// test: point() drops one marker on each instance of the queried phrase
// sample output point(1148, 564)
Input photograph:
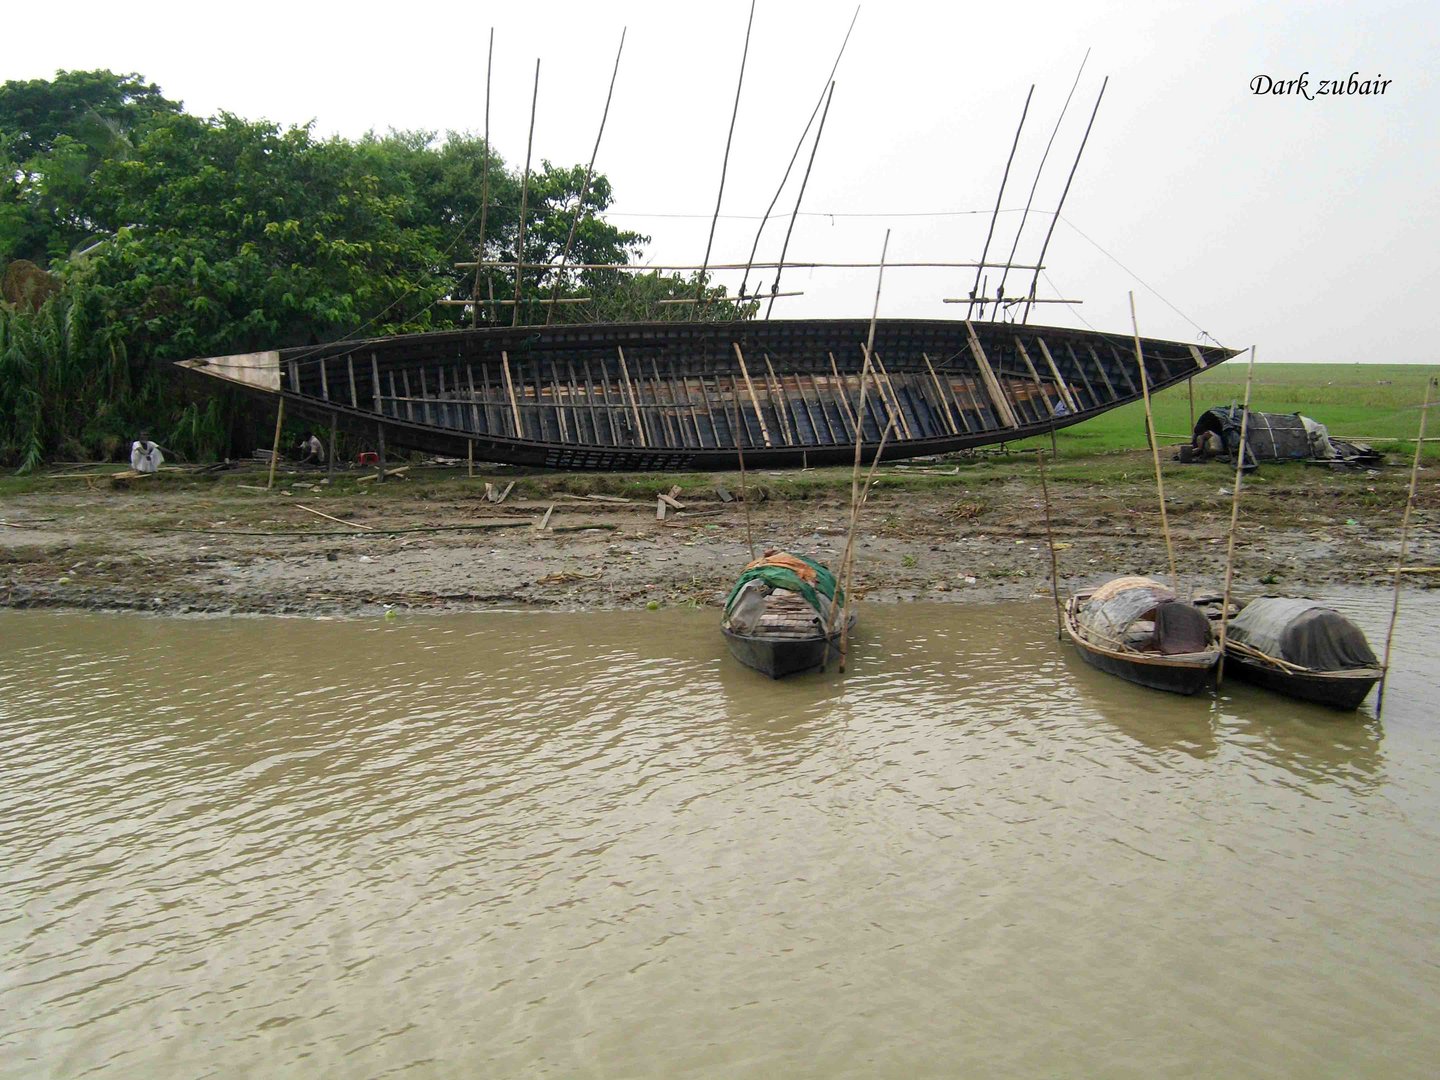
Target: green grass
point(1376, 403)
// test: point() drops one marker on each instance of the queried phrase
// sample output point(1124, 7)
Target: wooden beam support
point(634, 403)
point(1065, 394)
point(992, 385)
point(510, 392)
point(935, 378)
point(750, 388)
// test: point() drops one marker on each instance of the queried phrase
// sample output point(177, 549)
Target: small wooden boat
point(1302, 649)
point(1138, 629)
point(780, 618)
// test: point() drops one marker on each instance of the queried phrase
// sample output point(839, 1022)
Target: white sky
point(1307, 228)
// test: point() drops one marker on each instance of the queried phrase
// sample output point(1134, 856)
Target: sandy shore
point(188, 543)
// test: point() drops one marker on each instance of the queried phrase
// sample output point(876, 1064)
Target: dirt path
point(212, 544)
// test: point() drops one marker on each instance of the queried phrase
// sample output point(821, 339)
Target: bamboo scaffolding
point(647, 268)
point(995, 214)
point(805, 180)
point(725, 162)
point(484, 196)
point(525, 195)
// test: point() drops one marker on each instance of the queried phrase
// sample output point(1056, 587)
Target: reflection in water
point(595, 845)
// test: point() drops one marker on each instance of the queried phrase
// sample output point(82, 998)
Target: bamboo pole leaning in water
point(1154, 448)
point(744, 493)
point(1404, 542)
point(837, 609)
point(1234, 517)
point(275, 451)
point(1050, 541)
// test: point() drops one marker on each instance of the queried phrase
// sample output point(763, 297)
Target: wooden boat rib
point(647, 396)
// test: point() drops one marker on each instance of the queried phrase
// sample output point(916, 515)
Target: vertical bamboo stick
point(1404, 541)
point(744, 490)
point(524, 197)
point(1154, 449)
point(1234, 517)
point(1050, 541)
point(484, 196)
point(470, 458)
point(275, 450)
point(725, 162)
point(330, 461)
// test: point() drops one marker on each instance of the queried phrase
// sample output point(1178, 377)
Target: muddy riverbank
point(218, 543)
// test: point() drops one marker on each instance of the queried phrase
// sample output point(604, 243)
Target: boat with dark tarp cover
point(1140, 630)
point(781, 618)
point(1303, 649)
point(692, 396)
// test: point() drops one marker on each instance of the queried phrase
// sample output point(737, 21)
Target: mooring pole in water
point(1154, 448)
point(275, 450)
point(524, 196)
point(1050, 541)
point(1234, 517)
point(847, 560)
point(1404, 541)
point(740, 453)
point(330, 461)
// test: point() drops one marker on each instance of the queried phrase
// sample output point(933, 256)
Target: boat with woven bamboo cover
point(684, 396)
point(1140, 630)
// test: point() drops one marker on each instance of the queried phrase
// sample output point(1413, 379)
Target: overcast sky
point(1305, 227)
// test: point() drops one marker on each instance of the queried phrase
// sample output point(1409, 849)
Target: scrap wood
point(1410, 569)
point(330, 517)
point(545, 521)
point(670, 501)
point(401, 471)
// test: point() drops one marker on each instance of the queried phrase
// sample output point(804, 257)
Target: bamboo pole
point(470, 458)
point(838, 610)
point(805, 180)
point(795, 155)
point(995, 215)
point(649, 268)
point(1050, 541)
point(1234, 517)
point(1404, 542)
point(1030, 199)
point(750, 389)
point(510, 390)
point(725, 162)
point(634, 404)
point(484, 195)
point(1154, 449)
point(525, 195)
point(330, 461)
point(744, 490)
point(275, 450)
point(584, 187)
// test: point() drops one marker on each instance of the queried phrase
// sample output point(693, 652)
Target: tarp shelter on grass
point(1277, 437)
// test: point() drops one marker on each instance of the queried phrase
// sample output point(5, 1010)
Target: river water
point(585, 845)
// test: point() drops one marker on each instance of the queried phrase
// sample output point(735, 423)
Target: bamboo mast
point(725, 162)
point(1154, 448)
point(524, 196)
point(1034, 281)
point(484, 197)
point(1030, 200)
point(585, 187)
point(995, 214)
point(275, 452)
point(1404, 541)
point(785, 248)
point(829, 79)
point(1234, 517)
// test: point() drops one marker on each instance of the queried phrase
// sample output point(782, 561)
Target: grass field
point(1375, 403)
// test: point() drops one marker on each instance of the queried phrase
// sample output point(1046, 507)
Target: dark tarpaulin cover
point(1142, 614)
point(1302, 632)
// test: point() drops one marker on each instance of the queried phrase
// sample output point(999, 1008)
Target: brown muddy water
point(591, 845)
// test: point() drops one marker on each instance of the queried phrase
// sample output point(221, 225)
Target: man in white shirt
point(145, 456)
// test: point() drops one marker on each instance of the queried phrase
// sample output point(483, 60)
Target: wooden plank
point(1064, 387)
point(474, 406)
point(992, 385)
point(949, 416)
point(750, 389)
point(1199, 357)
point(894, 397)
point(634, 404)
point(1084, 378)
point(777, 400)
point(1109, 386)
point(350, 366)
point(324, 381)
point(1040, 385)
point(844, 394)
point(510, 392)
point(375, 380)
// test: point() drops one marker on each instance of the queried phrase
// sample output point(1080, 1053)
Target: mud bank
point(218, 544)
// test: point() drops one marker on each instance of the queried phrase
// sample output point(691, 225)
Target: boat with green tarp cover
point(784, 615)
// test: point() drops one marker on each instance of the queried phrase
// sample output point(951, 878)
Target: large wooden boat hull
point(1343, 690)
point(683, 396)
point(1183, 674)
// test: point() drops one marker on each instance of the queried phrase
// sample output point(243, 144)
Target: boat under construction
point(698, 395)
